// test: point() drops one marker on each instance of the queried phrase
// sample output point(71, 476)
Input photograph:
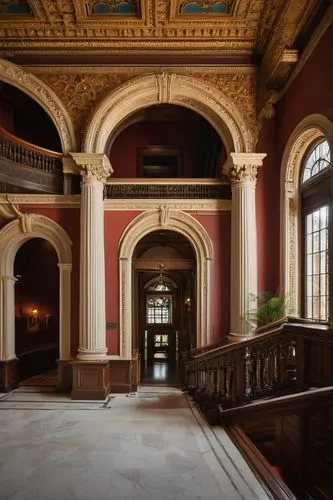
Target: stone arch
point(181, 90)
point(12, 236)
point(307, 131)
point(173, 220)
point(41, 93)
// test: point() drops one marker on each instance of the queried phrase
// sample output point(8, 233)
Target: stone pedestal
point(121, 375)
point(65, 376)
point(9, 375)
point(91, 379)
point(242, 170)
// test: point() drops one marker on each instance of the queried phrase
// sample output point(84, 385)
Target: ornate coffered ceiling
point(268, 34)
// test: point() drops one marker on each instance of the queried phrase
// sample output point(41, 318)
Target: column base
point(65, 375)
point(91, 379)
point(92, 355)
point(121, 376)
point(9, 378)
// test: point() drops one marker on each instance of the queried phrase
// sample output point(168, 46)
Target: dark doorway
point(36, 308)
point(164, 264)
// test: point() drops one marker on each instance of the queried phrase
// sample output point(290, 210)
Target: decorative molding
point(307, 131)
point(141, 92)
point(93, 166)
point(243, 168)
point(178, 204)
point(41, 93)
point(68, 201)
point(12, 236)
point(73, 201)
point(188, 226)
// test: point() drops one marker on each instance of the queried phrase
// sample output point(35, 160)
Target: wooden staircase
point(274, 395)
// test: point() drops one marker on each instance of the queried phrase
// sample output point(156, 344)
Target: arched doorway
point(164, 303)
point(36, 310)
point(12, 236)
point(165, 219)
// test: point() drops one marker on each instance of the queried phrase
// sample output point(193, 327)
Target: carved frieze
point(82, 92)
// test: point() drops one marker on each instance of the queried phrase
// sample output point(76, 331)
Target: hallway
point(153, 444)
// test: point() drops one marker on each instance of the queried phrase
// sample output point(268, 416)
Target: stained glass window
point(159, 309)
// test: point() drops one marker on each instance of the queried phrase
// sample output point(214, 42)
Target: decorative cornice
point(93, 166)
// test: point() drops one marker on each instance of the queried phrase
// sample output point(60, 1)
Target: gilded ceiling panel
point(126, 24)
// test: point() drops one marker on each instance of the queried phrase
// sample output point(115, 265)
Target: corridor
point(152, 444)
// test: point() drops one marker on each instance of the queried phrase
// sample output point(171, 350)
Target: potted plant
point(271, 309)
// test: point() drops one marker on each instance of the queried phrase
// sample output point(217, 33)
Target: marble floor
point(152, 444)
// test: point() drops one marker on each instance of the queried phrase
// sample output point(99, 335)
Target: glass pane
point(316, 242)
point(309, 224)
point(323, 239)
point(323, 308)
point(316, 263)
point(317, 160)
point(309, 268)
point(308, 312)
point(315, 220)
point(315, 285)
point(316, 269)
point(309, 244)
point(323, 216)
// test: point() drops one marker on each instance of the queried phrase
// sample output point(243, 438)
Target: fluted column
point(94, 170)
point(242, 170)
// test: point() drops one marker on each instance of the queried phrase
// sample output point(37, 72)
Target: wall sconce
point(188, 302)
point(33, 320)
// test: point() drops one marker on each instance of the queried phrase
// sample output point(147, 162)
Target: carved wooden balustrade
point(19, 151)
point(29, 166)
point(289, 358)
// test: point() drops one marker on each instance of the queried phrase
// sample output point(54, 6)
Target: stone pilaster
point(8, 360)
point(242, 170)
point(94, 170)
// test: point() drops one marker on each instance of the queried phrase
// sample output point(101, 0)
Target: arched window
point(315, 182)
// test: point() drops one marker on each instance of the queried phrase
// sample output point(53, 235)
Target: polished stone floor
point(152, 444)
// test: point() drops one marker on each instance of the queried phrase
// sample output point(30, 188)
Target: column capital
point(243, 167)
point(64, 266)
point(92, 166)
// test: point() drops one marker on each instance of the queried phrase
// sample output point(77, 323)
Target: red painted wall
point(218, 229)
point(309, 93)
point(183, 135)
point(115, 223)
point(267, 206)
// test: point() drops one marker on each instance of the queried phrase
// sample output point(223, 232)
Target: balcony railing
point(19, 151)
point(179, 188)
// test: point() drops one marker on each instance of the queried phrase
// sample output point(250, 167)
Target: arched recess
point(41, 93)
point(173, 220)
point(12, 236)
point(307, 131)
point(181, 90)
